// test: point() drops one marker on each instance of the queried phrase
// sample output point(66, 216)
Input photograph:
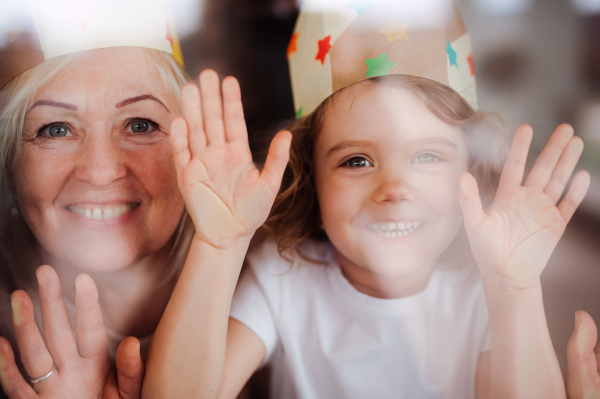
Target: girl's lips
point(104, 212)
point(394, 229)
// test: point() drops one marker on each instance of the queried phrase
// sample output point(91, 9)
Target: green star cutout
point(299, 113)
point(380, 66)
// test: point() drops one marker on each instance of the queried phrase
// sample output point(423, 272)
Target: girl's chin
point(100, 259)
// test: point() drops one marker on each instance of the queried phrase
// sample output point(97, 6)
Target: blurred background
point(537, 62)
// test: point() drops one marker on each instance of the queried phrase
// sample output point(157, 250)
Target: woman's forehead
point(112, 73)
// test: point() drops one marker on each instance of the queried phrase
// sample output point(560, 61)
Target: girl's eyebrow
point(437, 140)
point(349, 144)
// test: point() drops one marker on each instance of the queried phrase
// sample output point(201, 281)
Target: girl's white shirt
point(325, 339)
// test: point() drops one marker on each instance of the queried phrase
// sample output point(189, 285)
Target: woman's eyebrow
point(53, 104)
point(140, 98)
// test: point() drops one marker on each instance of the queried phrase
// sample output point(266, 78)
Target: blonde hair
point(295, 216)
point(15, 99)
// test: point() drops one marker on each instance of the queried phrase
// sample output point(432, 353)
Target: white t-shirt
point(325, 339)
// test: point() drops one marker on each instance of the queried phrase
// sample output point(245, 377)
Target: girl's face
point(95, 181)
point(386, 173)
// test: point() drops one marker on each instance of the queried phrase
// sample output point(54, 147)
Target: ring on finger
point(42, 378)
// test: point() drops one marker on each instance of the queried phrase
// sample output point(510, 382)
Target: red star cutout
point(168, 36)
point(324, 48)
point(471, 63)
point(292, 48)
point(81, 14)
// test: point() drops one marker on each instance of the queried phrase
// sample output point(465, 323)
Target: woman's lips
point(105, 212)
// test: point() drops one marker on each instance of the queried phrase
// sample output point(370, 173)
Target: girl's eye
point(426, 158)
point(55, 130)
point(357, 162)
point(142, 126)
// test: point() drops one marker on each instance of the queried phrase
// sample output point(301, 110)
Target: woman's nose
point(393, 190)
point(101, 161)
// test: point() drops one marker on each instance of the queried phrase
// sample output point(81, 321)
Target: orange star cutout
point(292, 48)
point(471, 63)
point(394, 31)
point(324, 48)
point(80, 14)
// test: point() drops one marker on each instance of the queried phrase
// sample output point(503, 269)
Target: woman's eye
point(54, 131)
point(426, 158)
point(357, 162)
point(142, 126)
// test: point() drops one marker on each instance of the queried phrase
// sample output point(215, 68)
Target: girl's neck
point(132, 299)
point(382, 286)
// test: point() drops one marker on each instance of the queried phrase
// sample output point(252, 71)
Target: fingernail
point(16, 311)
point(576, 320)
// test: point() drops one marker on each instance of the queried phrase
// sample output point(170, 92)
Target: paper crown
point(38, 30)
point(337, 43)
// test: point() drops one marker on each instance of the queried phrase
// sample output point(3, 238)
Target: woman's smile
point(102, 212)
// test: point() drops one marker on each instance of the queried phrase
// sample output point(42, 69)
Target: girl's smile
point(386, 174)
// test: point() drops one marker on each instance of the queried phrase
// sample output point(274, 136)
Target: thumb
point(470, 202)
point(130, 368)
point(277, 159)
point(582, 367)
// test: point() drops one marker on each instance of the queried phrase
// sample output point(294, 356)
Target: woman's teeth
point(107, 213)
point(394, 230)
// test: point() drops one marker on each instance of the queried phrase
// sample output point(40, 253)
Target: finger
point(130, 368)
point(564, 169)
point(582, 367)
point(470, 201)
point(576, 193)
point(11, 380)
point(180, 144)
point(544, 166)
point(212, 107)
point(91, 335)
point(277, 160)
point(111, 390)
point(235, 124)
point(58, 332)
point(192, 112)
point(512, 174)
point(34, 354)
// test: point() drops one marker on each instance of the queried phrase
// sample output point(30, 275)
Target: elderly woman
point(88, 186)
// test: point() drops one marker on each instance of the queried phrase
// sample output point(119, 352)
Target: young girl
point(365, 290)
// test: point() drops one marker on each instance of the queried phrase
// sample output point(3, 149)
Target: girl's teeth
point(97, 214)
point(87, 213)
point(393, 230)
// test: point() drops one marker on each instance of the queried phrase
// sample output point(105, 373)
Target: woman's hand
point(513, 240)
point(226, 196)
point(583, 359)
point(82, 366)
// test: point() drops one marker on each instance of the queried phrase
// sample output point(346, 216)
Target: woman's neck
point(132, 299)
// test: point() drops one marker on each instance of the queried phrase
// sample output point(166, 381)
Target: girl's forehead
point(386, 113)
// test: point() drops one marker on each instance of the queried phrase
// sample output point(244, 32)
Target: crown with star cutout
point(33, 31)
point(337, 43)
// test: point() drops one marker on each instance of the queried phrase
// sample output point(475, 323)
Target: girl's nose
point(393, 191)
point(101, 161)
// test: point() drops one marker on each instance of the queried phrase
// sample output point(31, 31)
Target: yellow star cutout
point(394, 31)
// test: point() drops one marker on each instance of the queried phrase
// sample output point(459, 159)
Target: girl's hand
point(82, 366)
point(513, 240)
point(226, 196)
point(583, 359)
point(126, 382)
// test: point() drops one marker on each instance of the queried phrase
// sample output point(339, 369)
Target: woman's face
point(95, 179)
